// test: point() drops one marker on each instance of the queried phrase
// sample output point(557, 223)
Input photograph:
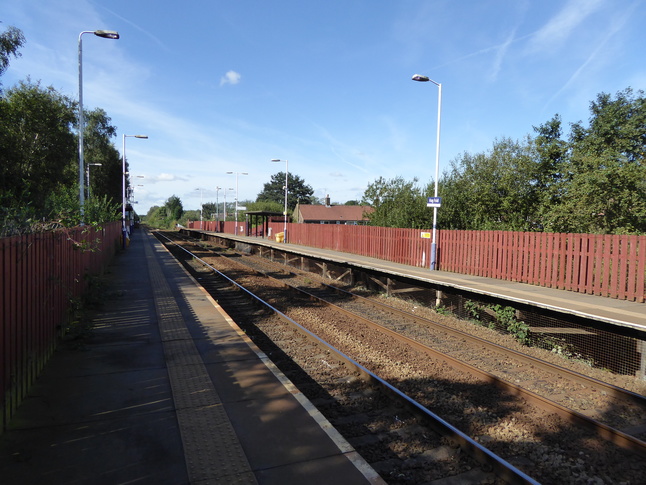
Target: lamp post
point(131, 193)
point(217, 206)
point(225, 202)
point(420, 78)
point(235, 230)
point(123, 184)
point(201, 209)
point(88, 176)
point(106, 34)
point(286, 179)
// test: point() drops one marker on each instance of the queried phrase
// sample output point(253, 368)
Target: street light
point(106, 34)
point(88, 175)
point(123, 186)
point(217, 207)
point(235, 230)
point(420, 78)
point(201, 208)
point(286, 179)
point(225, 202)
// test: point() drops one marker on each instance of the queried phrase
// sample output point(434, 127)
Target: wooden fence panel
point(606, 265)
point(40, 274)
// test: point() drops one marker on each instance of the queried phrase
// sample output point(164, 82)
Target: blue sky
point(225, 86)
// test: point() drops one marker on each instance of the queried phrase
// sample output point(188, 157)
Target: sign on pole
point(434, 202)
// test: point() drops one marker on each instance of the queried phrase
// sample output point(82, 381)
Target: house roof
point(334, 212)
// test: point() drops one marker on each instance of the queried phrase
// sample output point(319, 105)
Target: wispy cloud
point(501, 51)
point(165, 177)
point(156, 39)
point(231, 77)
point(615, 25)
point(563, 24)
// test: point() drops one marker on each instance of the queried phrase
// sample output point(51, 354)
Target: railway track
point(546, 440)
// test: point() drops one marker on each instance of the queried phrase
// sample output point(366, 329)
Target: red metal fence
point(606, 265)
point(41, 275)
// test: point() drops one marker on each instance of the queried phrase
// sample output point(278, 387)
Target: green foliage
point(209, 210)
point(599, 186)
point(107, 179)
point(473, 309)
point(38, 155)
point(190, 215)
point(10, 41)
point(440, 310)
point(398, 203)
point(157, 218)
point(174, 208)
point(497, 190)
point(593, 181)
point(266, 206)
point(506, 317)
point(64, 208)
point(15, 219)
point(37, 145)
point(167, 216)
point(298, 191)
point(39, 163)
point(99, 210)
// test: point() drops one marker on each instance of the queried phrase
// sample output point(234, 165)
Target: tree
point(298, 191)
point(209, 210)
point(10, 41)
point(174, 208)
point(37, 145)
point(397, 203)
point(601, 184)
point(266, 206)
point(64, 208)
point(105, 180)
point(494, 190)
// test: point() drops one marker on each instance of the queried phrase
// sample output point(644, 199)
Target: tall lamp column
point(106, 34)
point(235, 230)
point(124, 230)
point(286, 180)
point(201, 210)
point(420, 78)
point(217, 208)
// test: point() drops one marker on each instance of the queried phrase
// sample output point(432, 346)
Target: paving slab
point(167, 389)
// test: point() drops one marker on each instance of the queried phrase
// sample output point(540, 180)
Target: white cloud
point(564, 23)
point(614, 26)
point(164, 177)
point(231, 77)
point(501, 51)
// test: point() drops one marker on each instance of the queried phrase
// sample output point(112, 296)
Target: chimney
point(327, 200)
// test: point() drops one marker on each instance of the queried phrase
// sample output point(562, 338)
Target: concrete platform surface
point(166, 389)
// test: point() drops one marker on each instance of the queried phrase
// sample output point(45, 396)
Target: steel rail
point(611, 389)
point(602, 430)
point(499, 466)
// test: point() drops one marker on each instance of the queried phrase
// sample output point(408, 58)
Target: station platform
point(167, 389)
point(611, 311)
